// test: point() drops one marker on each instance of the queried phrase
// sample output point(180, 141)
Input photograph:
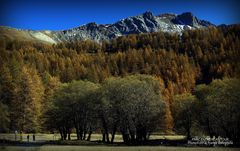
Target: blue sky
point(64, 14)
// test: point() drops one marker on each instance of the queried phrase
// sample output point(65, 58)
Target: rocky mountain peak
point(148, 15)
point(186, 19)
point(92, 24)
point(143, 23)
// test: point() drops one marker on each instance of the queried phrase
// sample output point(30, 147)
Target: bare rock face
point(144, 23)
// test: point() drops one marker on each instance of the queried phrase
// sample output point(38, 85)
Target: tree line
point(132, 106)
point(212, 109)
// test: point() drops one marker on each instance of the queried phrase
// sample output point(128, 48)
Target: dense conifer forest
point(84, 86)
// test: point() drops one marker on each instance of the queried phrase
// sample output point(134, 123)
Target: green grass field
point(102, 147)
point(107, 148)
point(48, 137)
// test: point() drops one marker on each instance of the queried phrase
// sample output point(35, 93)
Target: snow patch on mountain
point(43, 37)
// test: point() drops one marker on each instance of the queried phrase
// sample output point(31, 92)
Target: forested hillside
point(31, 73)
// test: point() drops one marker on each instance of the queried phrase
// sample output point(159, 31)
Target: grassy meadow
point(109, 148)
point(102, 147)
point(95, 137)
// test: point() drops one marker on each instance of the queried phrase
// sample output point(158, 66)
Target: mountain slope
point(143, 23)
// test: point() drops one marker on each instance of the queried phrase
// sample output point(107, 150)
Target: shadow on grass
point(155, 142)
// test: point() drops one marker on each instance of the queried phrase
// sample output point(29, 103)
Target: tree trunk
point(125, 137)
point(210, 132)
point(61, 133)
point(64, 133)
point(103, 137)
point(188, 128)
point(78, 136)
point(107, 137)
point(77, 131)
point(105, 131)
point(69, 136)
point(113, 134)
point(84, 135)
point(89, 135)
point(80, 133)
point(188, 134)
